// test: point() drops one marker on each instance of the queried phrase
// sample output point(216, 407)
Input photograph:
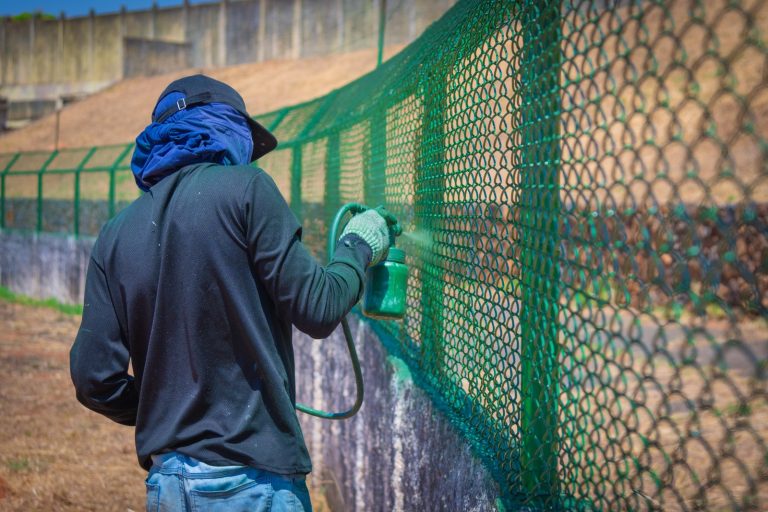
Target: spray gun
point(385, 287)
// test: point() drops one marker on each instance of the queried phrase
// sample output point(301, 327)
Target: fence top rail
point(85, 149)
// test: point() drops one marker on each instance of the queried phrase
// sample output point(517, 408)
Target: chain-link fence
point(584, 191)
point(70, 191)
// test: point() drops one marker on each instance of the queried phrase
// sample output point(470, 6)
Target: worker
point(196, 285)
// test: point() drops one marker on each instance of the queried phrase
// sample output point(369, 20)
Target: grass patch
point(18, 465)
point(68, 309)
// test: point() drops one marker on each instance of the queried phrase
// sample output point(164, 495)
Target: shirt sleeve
point(314, 298)
point(99, 357)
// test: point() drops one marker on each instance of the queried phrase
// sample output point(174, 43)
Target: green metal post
point(382, 29)
point(374, 178)
point(7, 168)
point(39, 225)
point(296, 181)
point(429, 189)
point(76, 206)
point(318, 115)
point(539, 207)
point(112, 181)
point(332, 198)
point(278, 119)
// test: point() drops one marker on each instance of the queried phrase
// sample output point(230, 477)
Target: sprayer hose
point(353, 208)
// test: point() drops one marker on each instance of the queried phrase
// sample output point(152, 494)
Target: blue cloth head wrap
point(212, 132)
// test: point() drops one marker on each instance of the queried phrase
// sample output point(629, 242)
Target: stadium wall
point(46, 58)
point(397, 453)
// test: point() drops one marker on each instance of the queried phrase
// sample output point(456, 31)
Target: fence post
point(429, 188)
point(382, 29)
point(296, 164)
point(317, 115)
point(374, 179)
point(76, 206)
point(539, 208)
point(296, 181)
point(7, 168)
point(279, 119)
point(112, 184)
point(39, 225)
point(332, 177)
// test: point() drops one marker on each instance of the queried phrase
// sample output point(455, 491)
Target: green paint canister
point(385, 286)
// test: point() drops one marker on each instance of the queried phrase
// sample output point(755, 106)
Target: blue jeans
point(177, 483)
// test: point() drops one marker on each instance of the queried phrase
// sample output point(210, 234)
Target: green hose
point(354, 208)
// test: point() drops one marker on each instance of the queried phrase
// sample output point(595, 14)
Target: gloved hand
point(378, 228)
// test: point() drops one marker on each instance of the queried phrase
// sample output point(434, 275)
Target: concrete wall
point(44, 266)
point(149, 57)
point(29, 109)
point(39, 57)
point(397, 453)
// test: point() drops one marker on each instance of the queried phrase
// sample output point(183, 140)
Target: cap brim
point(263, 140)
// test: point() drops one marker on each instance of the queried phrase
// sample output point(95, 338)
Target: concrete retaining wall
point(150, 56)
point(81, 54)
point(44, 266)
point(397, 453)
point(29, 109)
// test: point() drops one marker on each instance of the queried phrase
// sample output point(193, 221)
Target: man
point(197, 284)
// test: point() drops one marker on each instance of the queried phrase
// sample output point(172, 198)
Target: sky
point(81, 7)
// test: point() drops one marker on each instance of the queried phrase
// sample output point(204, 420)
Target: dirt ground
point(120, 112)
point(55, 455)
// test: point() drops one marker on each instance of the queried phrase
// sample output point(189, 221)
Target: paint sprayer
point(384, 298)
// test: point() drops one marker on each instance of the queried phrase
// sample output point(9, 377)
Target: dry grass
point(119, 113)
point(55, 455)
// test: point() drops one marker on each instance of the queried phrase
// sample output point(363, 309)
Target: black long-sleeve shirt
point(197, 283)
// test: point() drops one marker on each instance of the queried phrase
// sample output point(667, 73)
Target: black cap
point(199, 89)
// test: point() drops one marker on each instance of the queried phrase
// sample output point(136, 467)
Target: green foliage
point(38, 15)
point(18, 465)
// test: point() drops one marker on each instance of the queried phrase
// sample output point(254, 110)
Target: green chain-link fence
point(584, 189)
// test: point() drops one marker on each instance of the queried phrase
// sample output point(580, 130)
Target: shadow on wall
point(398, 452)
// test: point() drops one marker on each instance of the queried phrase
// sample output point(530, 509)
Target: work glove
point(378, 228)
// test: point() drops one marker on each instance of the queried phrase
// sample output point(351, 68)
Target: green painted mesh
point(584, 192)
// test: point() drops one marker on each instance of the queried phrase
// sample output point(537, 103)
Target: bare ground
point(55, 455)
point(120, 112)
